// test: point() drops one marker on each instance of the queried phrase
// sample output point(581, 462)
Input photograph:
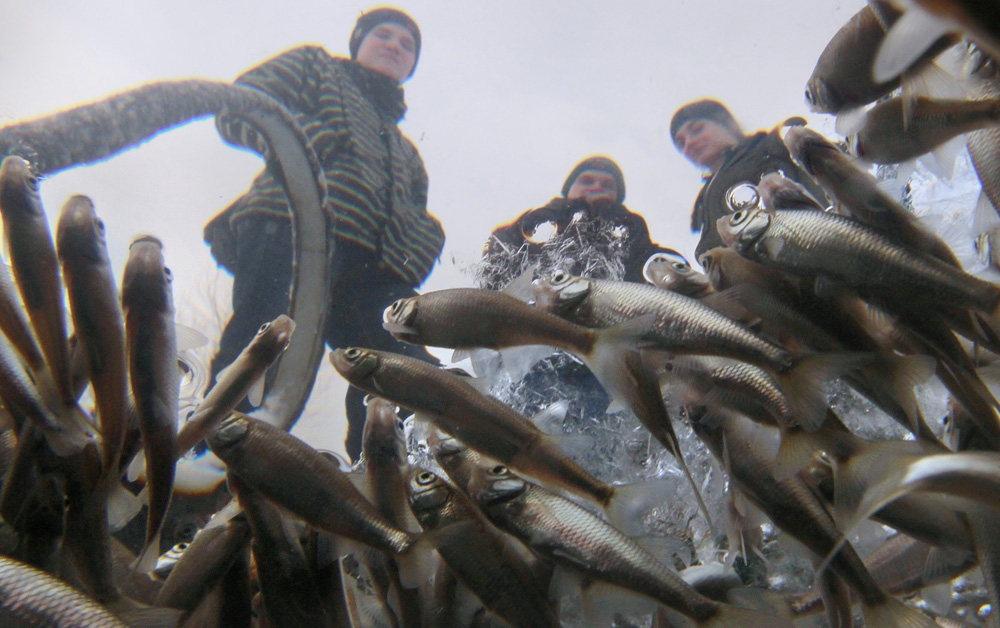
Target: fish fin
point(189, 337)
point(794, 453)
point(941, 563)
point(986, 217)
point(520, 286)
point(728, 302)
point(486, 363)
point(913, 33)
point(519, 360)
point(573, 445)
point(123, 506)
point(898, 375)
point(941, 161)
point(631, 501)
point(550, 420)
point(891, 613)
point(729, 616)
point(417, 563)
point(607, 359)
point(461, 354)
point(147, 558)
point(255, 395)
point(199, 475)
point(804, 384)
point(137, 468)
point(365, 604)
point(66, 441)
point(850, 121)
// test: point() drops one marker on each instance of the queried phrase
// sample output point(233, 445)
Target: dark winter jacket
point(755, 156)
point(609, 227)
point(376, 182)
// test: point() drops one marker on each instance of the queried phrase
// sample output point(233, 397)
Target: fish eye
point(264, 328)
point(809, 96)
point(680, 266)
point(559, 277)
point(182, 546)
point(352, 353)
point(169, 274)
point(498, 470)
point(739, 217)
point(99, 224)
point(425, 478)
point(396, 306)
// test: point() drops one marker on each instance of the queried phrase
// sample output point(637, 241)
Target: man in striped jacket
point(386, 241)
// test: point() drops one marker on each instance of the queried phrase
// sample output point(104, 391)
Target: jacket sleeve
point(289, 79)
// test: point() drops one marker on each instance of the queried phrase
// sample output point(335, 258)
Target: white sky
point(506, 98)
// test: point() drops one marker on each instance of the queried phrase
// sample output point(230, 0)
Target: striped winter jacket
point(376, 182)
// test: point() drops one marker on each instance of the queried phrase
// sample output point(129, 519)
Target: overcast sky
point(506, 98)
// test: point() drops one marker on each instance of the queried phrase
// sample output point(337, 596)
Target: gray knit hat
point(705, 109)
point(373, 18)
point(603, 164)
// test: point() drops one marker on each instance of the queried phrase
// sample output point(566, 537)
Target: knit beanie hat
point(599, 162)
point(706, 109)
point(373, 18)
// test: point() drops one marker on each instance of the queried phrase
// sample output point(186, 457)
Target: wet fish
point(749, 454)
point(297, 477)
point(233, 383)
point(825, 245)
point(478, 420)
point(36, 268)
point(33, 599)
point(891, 136)
point(924, 21)
point(384, 451)
point(291, 598)
point(147, 301)
point(779, 192)
point(97, 317)
point(858, 193)
point(984, 145)
point(477, 552)
point(842, 78)
point(672, 272)
point(569, 534)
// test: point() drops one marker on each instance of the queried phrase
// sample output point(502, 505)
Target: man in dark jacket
point(706, 133)
point(385, 240)
point(586, 231)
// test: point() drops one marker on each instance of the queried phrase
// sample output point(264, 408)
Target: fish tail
point(146, 560)
point(123, 506)
point(794, 453)
point(891, 613)
point(631, 501)
point(804, 382)
point(897, 376)
point(730, 616)
point(66, 441)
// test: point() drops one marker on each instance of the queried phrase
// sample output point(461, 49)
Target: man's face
point(388, 49)
point(593, 185)
point(704, 142)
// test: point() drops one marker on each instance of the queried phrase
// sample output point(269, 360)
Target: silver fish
point(147, 301)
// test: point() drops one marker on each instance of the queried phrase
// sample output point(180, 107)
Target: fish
point(97, 318)
point(31, 597)
point(780, 192)
point(889, 136)
point(924, 21)
point(478, 553)
point(749, 453)
point(234, 382)
point(384, 452)
point(269, 460)
point(825, 245)
point(291, 597)
point(151, 344)
point(842, 78)
point(858, 193)
point(984, 145)
point(672, 272)
point(569, 534)
point(36, 268)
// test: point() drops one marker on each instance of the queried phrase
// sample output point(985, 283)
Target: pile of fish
point(469, 513)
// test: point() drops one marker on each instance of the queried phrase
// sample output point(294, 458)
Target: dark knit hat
point(598, 162)
point(373, 18)
point(706, 109)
